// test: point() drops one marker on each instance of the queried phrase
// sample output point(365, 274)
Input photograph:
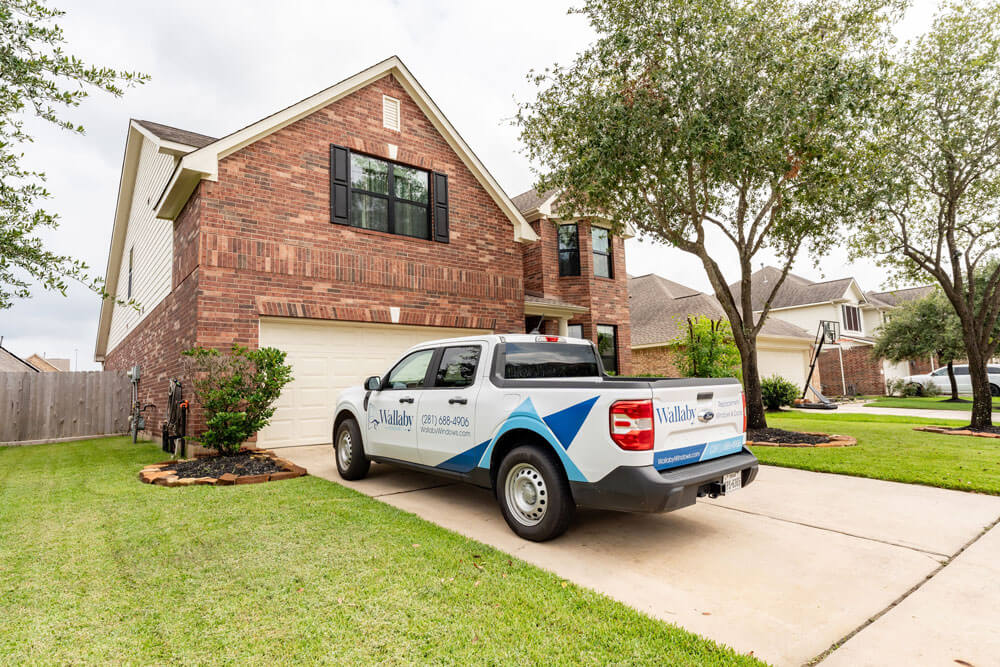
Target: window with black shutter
point(371, 193)
point(569, 250)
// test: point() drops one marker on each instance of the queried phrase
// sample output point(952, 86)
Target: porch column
point(563, 326)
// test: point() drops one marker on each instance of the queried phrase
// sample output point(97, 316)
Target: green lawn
point(96, 567)
point(925, 403)
point(889, 448)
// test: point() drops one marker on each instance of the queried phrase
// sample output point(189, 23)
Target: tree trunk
point(756, 417)
point(982, 401)
point(952, 380)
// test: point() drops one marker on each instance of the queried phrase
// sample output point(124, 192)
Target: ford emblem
point(705, 415)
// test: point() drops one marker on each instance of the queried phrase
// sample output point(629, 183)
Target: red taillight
point(744, 398)
point(631, 424)
point(547, 339)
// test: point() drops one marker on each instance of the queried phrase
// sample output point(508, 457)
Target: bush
point(777, 391)
point(930, 389)
point(895, 387)
point(236, 392)
point(911, 389)
point(707, 350)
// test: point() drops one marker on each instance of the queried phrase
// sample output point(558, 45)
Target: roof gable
point(203, 163)
point(795, 291)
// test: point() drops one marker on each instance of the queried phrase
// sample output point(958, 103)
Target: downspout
point(843, 378)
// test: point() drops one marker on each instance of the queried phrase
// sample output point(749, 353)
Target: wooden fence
point(48, 407)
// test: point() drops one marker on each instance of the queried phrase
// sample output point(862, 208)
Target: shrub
point(707, 350)
point(911, 389)
point(777, 391)
point(930, 389)
point(236, 391)
point(895, 387)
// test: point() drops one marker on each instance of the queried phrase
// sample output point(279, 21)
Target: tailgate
point(696, 423)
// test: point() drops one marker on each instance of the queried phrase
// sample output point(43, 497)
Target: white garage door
point(789, 362)
point(327, 357)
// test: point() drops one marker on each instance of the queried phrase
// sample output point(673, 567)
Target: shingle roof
point(531, 199)
point(10, 362)
point(177, 135)
point(896, 297)
point(660, 308)
point(795, 291)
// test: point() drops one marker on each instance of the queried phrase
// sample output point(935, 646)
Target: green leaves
point(921, 329)
point(34, 73)
point(707, 350)
point(236, 391)
point(776, 391)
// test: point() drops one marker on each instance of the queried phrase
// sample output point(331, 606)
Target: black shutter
point(440, 207)
point(340, 189)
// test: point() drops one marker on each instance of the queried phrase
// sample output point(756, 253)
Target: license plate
point(732, 481)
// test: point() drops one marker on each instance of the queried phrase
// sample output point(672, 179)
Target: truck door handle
point(406, 399)
point(463, 401)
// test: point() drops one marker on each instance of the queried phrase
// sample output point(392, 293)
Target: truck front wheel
point(350, 453)
point(533, 494)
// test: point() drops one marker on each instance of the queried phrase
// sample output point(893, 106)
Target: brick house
point(847, 367)
point(660, 309)
point(342, 229)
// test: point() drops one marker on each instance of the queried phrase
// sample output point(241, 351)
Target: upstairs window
point(129, 273)
point(371, 193)
point(601, 241)
point(852, 318)
point(569, 250)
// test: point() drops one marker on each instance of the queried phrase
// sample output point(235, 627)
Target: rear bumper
point(646, 489)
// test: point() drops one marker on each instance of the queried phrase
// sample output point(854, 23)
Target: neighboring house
point(342, 229)
point(49, 364)
point(660, 309)
point(847, 366)
point(579, 264)
point(11, 363)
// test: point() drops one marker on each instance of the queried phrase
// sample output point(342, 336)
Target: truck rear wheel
point(534, 494)
point(349, 451)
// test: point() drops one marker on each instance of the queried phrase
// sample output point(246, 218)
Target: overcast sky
point(218, 66)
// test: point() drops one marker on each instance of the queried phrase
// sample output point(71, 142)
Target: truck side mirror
point(374, 383)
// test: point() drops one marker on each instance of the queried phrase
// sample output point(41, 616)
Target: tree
point(933, 173)
point(237, 391)
point(707, 350)
point(34, 73)
point(711, 126)
point(923, 328)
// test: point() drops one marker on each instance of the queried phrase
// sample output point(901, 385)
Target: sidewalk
point(859, 408)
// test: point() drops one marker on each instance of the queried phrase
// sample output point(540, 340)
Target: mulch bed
point(777, 437)
point(246, 467)
point(988, 432)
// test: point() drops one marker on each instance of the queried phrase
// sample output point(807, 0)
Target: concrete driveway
point(788, 568)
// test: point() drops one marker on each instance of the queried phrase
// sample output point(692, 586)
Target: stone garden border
point(835, 441)
point(948, 431)
point(154, 473)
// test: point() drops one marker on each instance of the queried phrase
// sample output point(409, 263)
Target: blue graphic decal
point(677, 457)
point(465, 461)
point(525, 416)
point(703, 452)
point(565, 424)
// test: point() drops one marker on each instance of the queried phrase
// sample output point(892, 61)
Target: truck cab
point(537, 420)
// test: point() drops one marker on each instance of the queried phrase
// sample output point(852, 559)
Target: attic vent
point(390, 113)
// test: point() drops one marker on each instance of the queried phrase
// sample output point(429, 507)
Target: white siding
point(152, 242)
point(808, 317)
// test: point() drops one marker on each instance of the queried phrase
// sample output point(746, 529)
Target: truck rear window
point(548, 360)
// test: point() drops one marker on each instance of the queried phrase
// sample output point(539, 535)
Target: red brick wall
point(269, 246)
point(860, 369)
point(156, 343)
point(607, 298)
point(655, 361)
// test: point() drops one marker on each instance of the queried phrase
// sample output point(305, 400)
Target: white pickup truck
point(536, 419)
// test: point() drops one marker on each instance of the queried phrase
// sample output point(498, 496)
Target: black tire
point(994, 390)
point(349, 451)
point(546, 494)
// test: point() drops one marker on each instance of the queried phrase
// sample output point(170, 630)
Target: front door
point(392, 411)
point(448, 410)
